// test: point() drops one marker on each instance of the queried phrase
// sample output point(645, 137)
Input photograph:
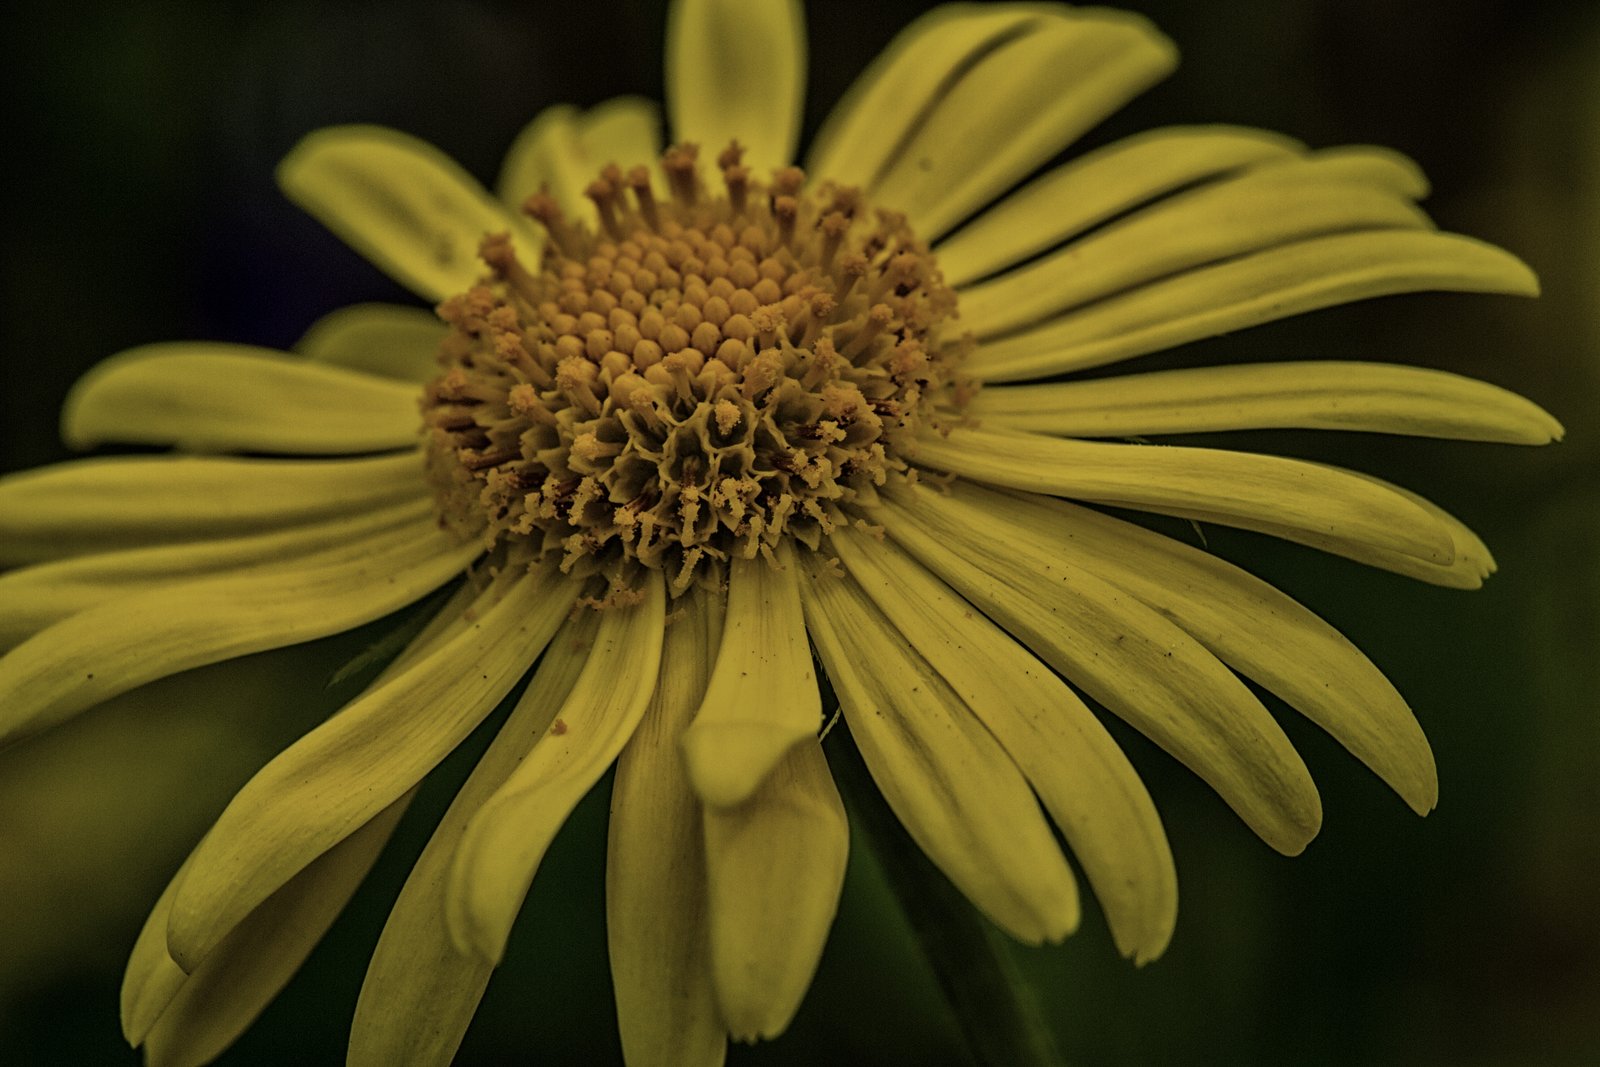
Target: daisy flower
point(697, 421)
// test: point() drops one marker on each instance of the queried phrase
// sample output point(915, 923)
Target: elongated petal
point(401, 203)
point(657, 927)
point(1324, 395)
point(420, 991)
point(1101, 185)
point(100, 504)
point(1017, 106)
point(763, 696)
point(1217, 222)
point(959, 795)
point(1269, 285)
point(774, 870)
point(564, 148)
point(109, 649)
point(153, 980)
point(32, 598)
point(1140, 666)
point(234, 398)
point(1233, 488)
point(1254, 628)
point(224, 996)
point(1469, 566)
point(506, 840)
point(897, 92)
point(736, 69)
point(334, 779)
point(390, 340)
point(1084, 780)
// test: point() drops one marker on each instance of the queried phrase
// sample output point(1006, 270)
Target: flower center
point(703, 377)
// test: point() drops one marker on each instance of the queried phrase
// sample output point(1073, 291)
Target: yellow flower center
point(706, 375)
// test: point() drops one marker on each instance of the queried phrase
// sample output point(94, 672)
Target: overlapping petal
point(338, 776)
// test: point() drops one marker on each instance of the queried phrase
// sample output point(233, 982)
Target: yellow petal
point(563, 149)
point(125, 642)
point(1126, 655)
point(1233, 488)
point(401, 203)
point(657, 927)
point(1268, 285)
point(1260, 209)
point(1019, 104)
point(420, 992)
point(32, 598)
point(100, 504)
point(774, 869)
point(390, 340)
point(205, 397)
point(507, 838)
point(763, 696)
point(903, 85)
point(1099, 186)
point(210, 1008)
point(1323, 395)
point(960, 797)
point(736, 69)
point(1084, 780)
point(335, 778)
point(1259, 631)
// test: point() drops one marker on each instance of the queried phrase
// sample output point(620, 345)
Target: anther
point(639, 182)
point(543, 209)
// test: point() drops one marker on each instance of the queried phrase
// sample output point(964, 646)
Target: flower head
point(698, 420)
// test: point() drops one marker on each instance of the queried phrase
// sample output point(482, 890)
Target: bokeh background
point(139, 206)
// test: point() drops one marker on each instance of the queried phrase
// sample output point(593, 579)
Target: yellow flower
point(749, 414)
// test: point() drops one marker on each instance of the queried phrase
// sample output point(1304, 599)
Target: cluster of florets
point(699, 379)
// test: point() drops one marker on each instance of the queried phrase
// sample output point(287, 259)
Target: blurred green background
point(139, 206)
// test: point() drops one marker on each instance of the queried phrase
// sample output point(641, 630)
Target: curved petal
point(389, 340)
point(420, 992)
point(1253, 627)
point(1322, 395)
point(1470, 564)
point(507, 838)
point(774, 870)
point(210, 1008)
point(1138, 664)
point(336, 778)
point(1020, 103)
point(401, 203)
point(564, 148)
point(205, 397)
point(762, 699)
point(958, 794)
point(1078, 771)
point(109, 649)
point(32, 598)
point(102, 504)
point(1232, 488)
point(1099, 186)
point(1262, 287)
point(736, 70)
point(1258, 210)
point(657, 928)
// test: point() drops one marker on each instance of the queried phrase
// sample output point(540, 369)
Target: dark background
point(139, 206)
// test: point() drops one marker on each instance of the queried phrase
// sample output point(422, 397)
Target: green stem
point(994, 1008)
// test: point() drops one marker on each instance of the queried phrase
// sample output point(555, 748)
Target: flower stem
point(994, 1008)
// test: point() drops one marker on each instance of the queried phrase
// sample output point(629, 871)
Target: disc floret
point(700, 378)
